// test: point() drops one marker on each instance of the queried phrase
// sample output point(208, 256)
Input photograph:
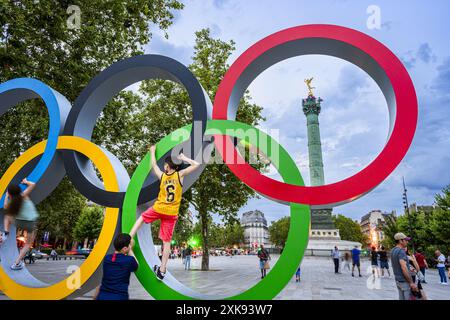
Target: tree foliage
point(428, 230)
point(89, 224)
point(390, 228)
point(278, 231)
point(35, 41)
point(60, 212)
point(349, 230)
point(222, 235)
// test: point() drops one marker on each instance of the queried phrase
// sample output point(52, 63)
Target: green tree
point(35, 41)
point(349, 230)
point(89, 224)
point(390, 228)
point(234, 234)
point(440, 220)
point(443, 200)
point(412, 223)
point(59, 217)
point(216, 236)
point(278, 231)
point(440, 227)
point(168, 107)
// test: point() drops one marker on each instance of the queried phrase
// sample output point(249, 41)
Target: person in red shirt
point(421, 261)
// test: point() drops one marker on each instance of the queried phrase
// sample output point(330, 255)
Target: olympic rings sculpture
point(68, 150)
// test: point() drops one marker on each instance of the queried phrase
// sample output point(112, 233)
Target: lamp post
point(406, 205)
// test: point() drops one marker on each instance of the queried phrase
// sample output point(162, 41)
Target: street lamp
point(406, 206)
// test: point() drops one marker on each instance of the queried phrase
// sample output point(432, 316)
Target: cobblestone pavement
point(229, 276)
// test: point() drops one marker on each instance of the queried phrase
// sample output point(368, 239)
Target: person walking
point(335, 254)
point(374, 262)
point(183, 254)
point(347, 259)
point(20, 209)
point(401, 267)
point(263, 256)
point(422, 262)
point(384, 264)
point(297, 275)
point(448, 265)
point(356, 261)
point(30, 256)
point(53, 254)
point(440, 259)
point(187, 258)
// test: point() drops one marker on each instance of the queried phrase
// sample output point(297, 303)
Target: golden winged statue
point(308, 84)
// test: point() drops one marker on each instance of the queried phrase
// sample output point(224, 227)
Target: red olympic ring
point(404, 101)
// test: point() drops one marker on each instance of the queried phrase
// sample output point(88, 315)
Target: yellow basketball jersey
point(169, 197)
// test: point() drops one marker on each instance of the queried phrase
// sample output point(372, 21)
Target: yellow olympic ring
point(61, 289)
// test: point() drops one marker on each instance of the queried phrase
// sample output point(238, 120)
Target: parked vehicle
point(40, 255)
point(80, 252)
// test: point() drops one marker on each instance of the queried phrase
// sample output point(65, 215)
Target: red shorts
point(167, 223)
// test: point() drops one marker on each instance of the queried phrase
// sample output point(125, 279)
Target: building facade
point(372, 225)
point(256, 231)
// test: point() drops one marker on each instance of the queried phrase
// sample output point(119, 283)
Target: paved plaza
point(229, 276)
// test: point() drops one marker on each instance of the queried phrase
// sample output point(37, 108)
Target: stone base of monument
point(322, 242)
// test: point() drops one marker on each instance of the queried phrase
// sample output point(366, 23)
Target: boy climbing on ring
point(167, 204)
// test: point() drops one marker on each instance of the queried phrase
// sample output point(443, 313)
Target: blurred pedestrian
point(297, 275)
point(422, 262)
point(448, 265)
point(264, 257)
point(384, 264)
point(347, 259)
point(54, 254)
point(356, 260)
point(374, 262)
point(187, 257)
point(416, 276)
point(335, 254)
point(440, 259)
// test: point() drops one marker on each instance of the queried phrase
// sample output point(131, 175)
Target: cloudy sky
point(354, 118)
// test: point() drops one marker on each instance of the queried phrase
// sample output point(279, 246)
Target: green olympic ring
point(297, 240)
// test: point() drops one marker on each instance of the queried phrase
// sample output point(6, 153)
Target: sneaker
point(159, 275)
point(445, 283)
point(360, 275)
point(353, 275)
point(17, 266)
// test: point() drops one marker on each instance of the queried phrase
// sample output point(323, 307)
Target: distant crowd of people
point(409, 268)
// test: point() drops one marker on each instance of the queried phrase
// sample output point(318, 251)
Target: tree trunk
point(204, 221)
